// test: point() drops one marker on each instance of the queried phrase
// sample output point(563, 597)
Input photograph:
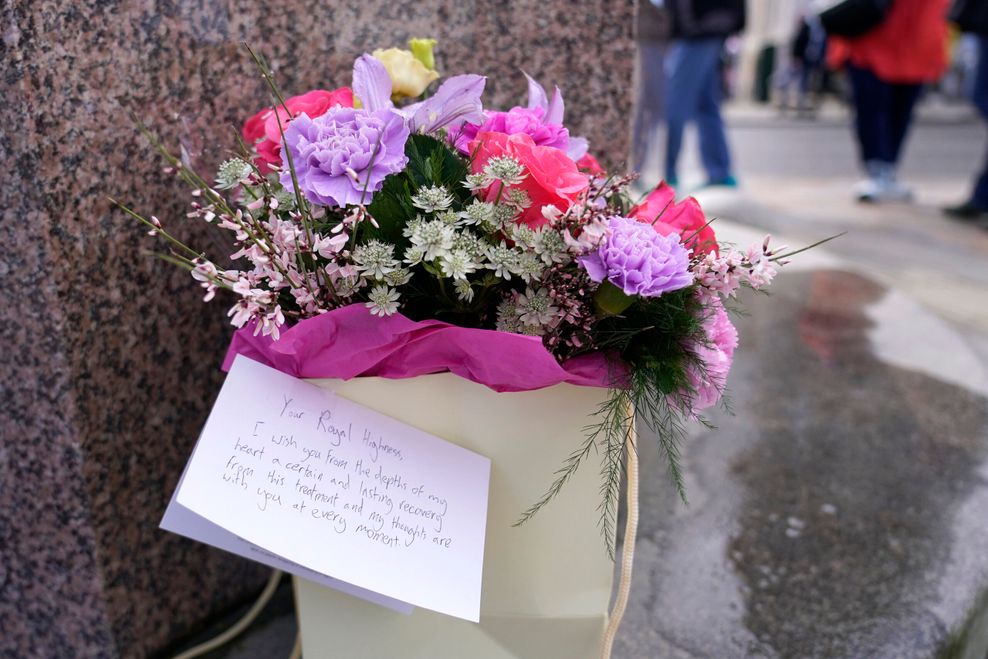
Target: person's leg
point(683, 62)
point(882, 113)
point(979, 198)
point(872, 99)
point(977, 203)
point(904, 99)
point(979, 95)
point(714, 152)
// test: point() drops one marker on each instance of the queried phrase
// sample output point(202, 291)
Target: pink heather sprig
point(585, 225)
point(721, 275)
point(211, 278)
point(284, 256)
point(570, 295)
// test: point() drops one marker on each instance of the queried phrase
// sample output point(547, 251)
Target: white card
point(183, 521)
point(342, 490)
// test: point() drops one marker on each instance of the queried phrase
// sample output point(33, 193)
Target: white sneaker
point(895, 190)
point(867, 190)
point(879, 190)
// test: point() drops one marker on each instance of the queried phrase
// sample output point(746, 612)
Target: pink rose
point(262, 130)
point(590, 165)
point(551, 178)
point(685, 218)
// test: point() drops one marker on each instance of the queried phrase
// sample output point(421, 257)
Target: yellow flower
point(409, 77)
point(422, 50)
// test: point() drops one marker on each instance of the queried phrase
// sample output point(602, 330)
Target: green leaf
point(430, 162)
point(392, 208)
point(433, 162)
point(611, 300)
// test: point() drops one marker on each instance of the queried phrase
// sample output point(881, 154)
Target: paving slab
point(842, 511)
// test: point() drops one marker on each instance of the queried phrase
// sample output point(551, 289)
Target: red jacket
point(910, 46)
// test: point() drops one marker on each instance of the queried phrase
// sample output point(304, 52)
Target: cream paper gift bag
point(546, 584)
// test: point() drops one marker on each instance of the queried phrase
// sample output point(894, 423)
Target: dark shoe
point(965, 211)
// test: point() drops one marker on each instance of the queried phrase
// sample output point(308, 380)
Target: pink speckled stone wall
point(109, 361)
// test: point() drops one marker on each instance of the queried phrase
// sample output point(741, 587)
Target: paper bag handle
point(628, 547)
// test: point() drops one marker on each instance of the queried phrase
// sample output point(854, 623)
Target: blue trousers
point(980, 97)
point(883, 112)
point(693, 93)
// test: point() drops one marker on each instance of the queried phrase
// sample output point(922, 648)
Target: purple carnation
point(531, 122)
point(342, 157)
point(639, 261)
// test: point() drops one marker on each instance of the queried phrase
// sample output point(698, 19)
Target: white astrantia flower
point(464, 291)
point(502, 260)
point(430, 240)
point(414, 255)
point(551, 246)
point(534, 307)
point(398, 277)
point(470, 243)
point(523, 235)
point(505, 169)
point(432, 199)
point(503, 215)
point(528, 267)
point(478, 212)
point(475, 182)
point(412, 226)
point(232, 173)
point(507, 316)
point(451, 218)
point(457, 264)
point(382, 301)
point(375, 259)
point(518, 198)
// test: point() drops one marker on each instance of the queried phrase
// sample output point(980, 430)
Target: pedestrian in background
point(887, 67)
point(971, 16)
point(806, 69)
point(694, 87)
point(653, 40)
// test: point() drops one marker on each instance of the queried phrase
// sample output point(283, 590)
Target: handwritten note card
point(341, 490)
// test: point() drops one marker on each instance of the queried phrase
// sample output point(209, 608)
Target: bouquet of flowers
point(395, 206)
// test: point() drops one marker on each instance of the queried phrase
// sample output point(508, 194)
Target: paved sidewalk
point(841, 513)
point(796, 178)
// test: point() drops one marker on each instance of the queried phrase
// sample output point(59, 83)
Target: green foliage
point(652, 334)
point(392, 209)
point(430, 162)
point(651, 338)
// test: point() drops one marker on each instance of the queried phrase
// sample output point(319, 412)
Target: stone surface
point(841, 512)
point(109, 359)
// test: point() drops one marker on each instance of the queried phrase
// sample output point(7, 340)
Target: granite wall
point(109, 360)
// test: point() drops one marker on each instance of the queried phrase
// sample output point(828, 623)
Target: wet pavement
point(842, 512)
